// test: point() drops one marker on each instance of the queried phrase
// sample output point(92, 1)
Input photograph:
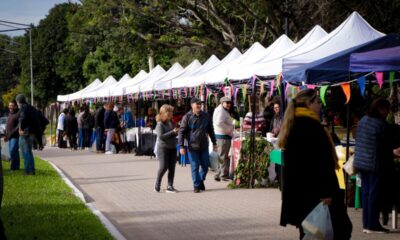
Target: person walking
point(223, 128)
point(60, 128)
point(80, 132)
point(12, 135)
point(28, 124)
point(110, 124)
point(195, 128)
point(166, 147)
point(373, 157)
point(87, 125)
point(71, 128)
point(99, 127)
point(310, 161)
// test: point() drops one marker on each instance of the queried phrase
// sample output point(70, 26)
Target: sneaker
point(170, 189)
point(377, 230)
point(196, 190)
point(217, 178)
point(109, 152)
point(225, 179)
point(156, 188)
point(202, 187)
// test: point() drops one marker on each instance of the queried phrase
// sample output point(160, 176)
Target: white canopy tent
point(272, 64)
point(77, 95)
point(106, 92)
point(156, 72)
point(119, 90)
point(164, 84)
point(352, 32)
point(225, 62)
point(109, 81)
point(209, 64)
point(175, 69)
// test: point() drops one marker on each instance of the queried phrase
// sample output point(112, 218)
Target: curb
point(103, 219)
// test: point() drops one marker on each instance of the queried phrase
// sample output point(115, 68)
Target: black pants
point(167, 159)
point(72, 141)
point(87, 134)
point(61, 142)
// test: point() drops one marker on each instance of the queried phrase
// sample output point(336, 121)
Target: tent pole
point(252, 134)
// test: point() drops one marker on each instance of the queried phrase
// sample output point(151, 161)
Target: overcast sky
point(25, 12)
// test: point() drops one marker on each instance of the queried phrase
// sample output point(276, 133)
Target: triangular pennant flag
point(244, 92)
point(346, 90)
point(391, 79)
point(253, 81)
point(379, 77)
point(322, 92)
point(310, 86)
point(361, 83)
point(261, 87)
point(271, 90)
point(226, 82)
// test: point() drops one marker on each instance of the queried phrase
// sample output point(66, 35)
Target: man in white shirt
point(60, 129)
point(223, 128)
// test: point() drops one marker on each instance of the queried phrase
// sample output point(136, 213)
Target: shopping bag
point(214, 161)
point(318, 224)
point(349, 166)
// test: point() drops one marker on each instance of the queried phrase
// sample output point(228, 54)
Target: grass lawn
point(44, 207)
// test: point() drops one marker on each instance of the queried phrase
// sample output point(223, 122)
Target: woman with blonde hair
point(309, 166)
point(166, 147)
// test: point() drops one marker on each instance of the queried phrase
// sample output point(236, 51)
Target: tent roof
point(92, 93)
point(189, 70)
point(119, 90)
point(352, 32)
point(106, 92)
point(335, 68)
point(154, 73)
point(272, 64)
point(387, 59)
point(209, 64)
point(77, 95)
point(175, 69)
point(218, 72)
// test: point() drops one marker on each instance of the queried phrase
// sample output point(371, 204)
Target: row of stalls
point(341, 62)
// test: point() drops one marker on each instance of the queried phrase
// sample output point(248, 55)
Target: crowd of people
point(308, 149)
point(24, 129)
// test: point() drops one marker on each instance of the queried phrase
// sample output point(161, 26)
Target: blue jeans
point(371, 199)
point(80, 138)
point(197, 159)
point(14, 153)
point(25, 142)
point(99, 139)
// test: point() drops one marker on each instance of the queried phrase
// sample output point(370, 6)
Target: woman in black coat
point(309, 166)
point(71, 128)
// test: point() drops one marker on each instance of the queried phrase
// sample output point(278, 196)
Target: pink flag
point(271, 90)
point(310, 86)
point(379, 77)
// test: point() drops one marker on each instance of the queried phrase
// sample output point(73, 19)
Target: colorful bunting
point(391, 79)
point(361, 83)
point(322, 92)
point(271, 90)
point(310, 86)
point(346, 90)
point(261, 87)
point(379, 77)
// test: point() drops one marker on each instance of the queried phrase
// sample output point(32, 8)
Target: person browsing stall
point(223, 128)
point(309, 171)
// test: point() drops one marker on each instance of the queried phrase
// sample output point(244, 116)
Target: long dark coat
point(309, 171)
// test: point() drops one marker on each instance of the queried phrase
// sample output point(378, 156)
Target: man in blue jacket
point(196, 127)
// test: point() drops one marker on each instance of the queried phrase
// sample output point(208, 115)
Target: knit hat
point(20, 98)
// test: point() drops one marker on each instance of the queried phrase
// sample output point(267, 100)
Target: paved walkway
point(121, 187)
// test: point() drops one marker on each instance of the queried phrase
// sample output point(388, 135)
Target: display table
point(145, 144)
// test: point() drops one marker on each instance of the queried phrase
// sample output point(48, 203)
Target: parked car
point(3, 123)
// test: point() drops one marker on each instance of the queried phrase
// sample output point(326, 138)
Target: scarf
point(306, 112)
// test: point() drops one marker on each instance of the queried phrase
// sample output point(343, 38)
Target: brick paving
point(121, 187)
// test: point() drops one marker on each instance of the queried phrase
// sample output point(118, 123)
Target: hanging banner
point(361, 83)
point(271, 90)
point(244, 92)
point(322, 92)
point(235, 96)
point(261, 87)
point(310, 86)
point(379, 77)
point(391, 79)
point(253, 81)
point(346, 90)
